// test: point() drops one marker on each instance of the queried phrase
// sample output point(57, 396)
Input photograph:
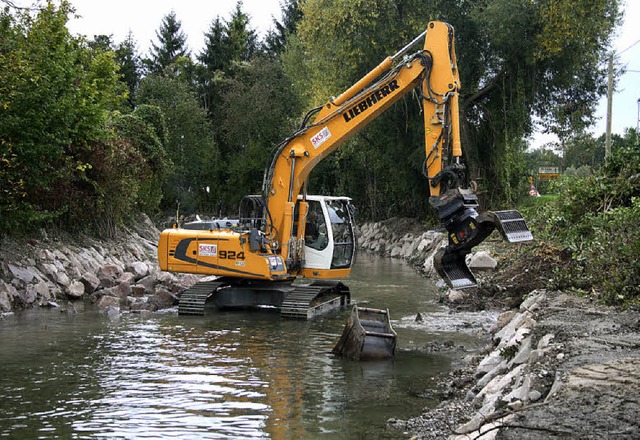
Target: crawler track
point(193, 299)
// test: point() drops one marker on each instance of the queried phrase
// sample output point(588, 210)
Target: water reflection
point(228, 375)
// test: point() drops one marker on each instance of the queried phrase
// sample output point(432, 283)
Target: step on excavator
point(287, 248)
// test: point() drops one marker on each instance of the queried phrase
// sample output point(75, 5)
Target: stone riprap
point(117, 274)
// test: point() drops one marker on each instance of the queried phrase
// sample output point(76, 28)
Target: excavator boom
point(433, 73)
point(284, 233)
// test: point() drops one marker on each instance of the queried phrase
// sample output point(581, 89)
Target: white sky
point(143, 18)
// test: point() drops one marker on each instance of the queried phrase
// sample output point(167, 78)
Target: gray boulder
point(90, 282)
point(481, 260)
point(75, 290)
point(109, 271)
point(138, 269)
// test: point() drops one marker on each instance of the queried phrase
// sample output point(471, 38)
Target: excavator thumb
point(468, 230)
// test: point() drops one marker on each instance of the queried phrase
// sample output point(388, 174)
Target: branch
point(11, 4)
point(469, 100)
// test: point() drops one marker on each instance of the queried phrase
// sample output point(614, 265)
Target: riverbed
point(232, 374)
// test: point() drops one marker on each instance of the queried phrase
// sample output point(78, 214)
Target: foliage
point(55, 94)
point(190, 144)
point(257, 105)
point(277, 39)
point(597, 216)
point(127, 57)
point(509, 72)
point(171, 47)
point(145, 131)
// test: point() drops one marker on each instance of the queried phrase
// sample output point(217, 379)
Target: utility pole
point(607, 148)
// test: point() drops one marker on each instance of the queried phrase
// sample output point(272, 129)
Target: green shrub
point(597, 217)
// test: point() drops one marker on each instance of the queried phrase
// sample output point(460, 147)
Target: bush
point(597, 217)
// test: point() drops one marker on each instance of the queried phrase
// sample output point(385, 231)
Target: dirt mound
point(521, 270)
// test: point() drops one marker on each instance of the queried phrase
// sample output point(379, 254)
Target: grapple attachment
point(452, 268)
point(470, 230)
point(510, 224)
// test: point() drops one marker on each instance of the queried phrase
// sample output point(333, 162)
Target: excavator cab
point(329, 239)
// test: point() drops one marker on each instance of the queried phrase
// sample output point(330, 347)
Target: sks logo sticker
point(207, 250)
point(321, 137)
point(371, 100)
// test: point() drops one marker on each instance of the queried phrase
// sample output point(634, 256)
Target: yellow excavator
point(285, 234)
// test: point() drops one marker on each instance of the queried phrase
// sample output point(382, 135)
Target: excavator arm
point(433, 73)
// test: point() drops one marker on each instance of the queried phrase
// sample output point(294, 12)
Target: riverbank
point(57, 270)
point(559, 366)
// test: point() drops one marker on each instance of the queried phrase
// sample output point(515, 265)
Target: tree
point(512, 66)
point(190, 144)
point(241, 41)
point(276, 39)
point(215, 54)
point(257, 108)
point(130, 65)
point(55, 98)
point(172, 45)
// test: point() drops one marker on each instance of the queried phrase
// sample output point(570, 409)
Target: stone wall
point(404, 239)
point(120, 273)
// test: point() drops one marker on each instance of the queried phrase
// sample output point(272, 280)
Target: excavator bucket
point(452, 268)
point(367, 335)
point(450, 262)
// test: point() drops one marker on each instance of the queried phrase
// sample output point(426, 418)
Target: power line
point(629, 47)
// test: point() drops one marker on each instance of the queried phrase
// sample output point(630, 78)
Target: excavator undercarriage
point(294, 300)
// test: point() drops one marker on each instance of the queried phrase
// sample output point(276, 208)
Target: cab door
point(330, 242)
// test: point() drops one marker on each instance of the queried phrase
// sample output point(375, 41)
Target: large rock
point(481, 260)
point(138, 269)
point(75, 290)
point(109, 271)
point(108, 301)
point(90, 281)
point(63, 279)
point(127, 277)
point(28, 296)
point(149, 283)
point(122, 290)
point(138, 290)
point(24, 274)
point(164, 298)
point(8, 295)
point(5, 302)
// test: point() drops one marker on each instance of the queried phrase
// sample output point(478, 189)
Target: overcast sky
point(143, 18)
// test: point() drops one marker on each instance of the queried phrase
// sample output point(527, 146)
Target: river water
point(224, 375)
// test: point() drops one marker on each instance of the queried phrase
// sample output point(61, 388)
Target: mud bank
point(560, 367)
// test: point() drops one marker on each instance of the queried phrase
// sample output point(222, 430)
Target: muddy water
point(228, 375)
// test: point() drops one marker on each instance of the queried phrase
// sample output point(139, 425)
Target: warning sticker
point(207, 250)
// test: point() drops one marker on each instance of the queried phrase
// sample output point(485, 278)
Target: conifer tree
point(276, 39)
point(172, 45)
point(129, 60)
